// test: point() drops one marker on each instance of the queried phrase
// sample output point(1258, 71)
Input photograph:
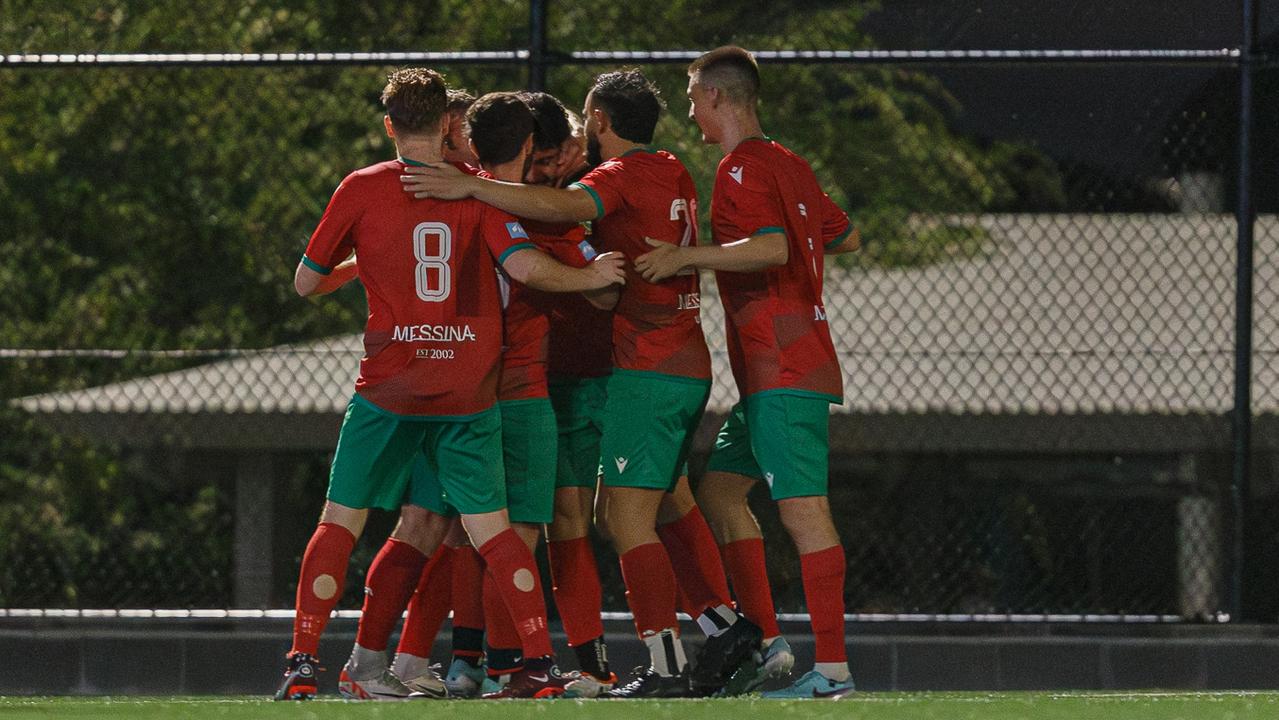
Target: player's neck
point(738, 128)
point(512, 171)
point(420, 151)
point(614, 147)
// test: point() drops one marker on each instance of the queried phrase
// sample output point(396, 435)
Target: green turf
point(872, 706)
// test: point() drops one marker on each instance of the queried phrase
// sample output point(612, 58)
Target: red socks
point(744, 560)
point(499, 628)
point(320, 584)
point(823, 573)
point(650, 588)
point(392, 577)
point(576, 584)
point(429, 605)
point(515, 576)
point(695, 558)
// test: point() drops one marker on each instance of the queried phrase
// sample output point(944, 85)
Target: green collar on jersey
point(646, 148)
point(407, 161)
point(761, 138)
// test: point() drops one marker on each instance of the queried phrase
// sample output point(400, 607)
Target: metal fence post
point(1242, 414)
point(537, 45)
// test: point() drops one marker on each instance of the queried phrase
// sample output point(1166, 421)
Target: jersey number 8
point(426, 262)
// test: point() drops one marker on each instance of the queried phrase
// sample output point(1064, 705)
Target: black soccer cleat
point(723, 654)
point(648, 683)
point(299, 678)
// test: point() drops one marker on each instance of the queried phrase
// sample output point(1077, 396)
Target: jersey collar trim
point(414, 163)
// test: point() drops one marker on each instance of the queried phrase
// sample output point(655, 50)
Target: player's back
point(649, 194)
point(779, 336)
point(434, 333)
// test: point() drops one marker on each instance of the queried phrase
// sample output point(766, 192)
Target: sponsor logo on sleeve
point(736, 174)
point(516, 231)
point(588, 250)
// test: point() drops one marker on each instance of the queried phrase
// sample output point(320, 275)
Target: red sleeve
point(332, 242)
point(748, 203)
point(605, 186)
point(835, 223)
point(569, 247)
point(503, 233)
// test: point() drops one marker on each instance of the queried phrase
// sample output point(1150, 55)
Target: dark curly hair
point(632, 102)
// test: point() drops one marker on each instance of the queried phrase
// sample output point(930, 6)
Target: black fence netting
point(1037, 339)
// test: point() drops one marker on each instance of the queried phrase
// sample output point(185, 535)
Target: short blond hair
point(731, 69)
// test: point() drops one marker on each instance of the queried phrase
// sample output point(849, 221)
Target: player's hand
point(443, 182)
point(663, 261)
point(609, 269)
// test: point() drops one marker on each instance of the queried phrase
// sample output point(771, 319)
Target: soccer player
point(579, 363)
point(456, 148)
point(428, 380)
point(771, 224)
point(559, 147)
point(661, 376)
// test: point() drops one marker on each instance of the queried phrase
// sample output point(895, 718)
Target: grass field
point(871, 706)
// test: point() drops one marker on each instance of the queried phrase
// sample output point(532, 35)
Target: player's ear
point(602, 120)
point(386, 121)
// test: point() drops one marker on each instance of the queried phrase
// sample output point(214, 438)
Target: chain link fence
point(1037, 340)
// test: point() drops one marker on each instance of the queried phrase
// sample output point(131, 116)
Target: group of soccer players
point(535, 364)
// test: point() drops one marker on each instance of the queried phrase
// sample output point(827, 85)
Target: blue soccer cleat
point(464, 680)
point(813, 685)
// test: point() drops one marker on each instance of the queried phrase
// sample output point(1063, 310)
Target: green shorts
point(528, 451)
point(384, 460)
point(649, 423)
point(789, 448)
point(579, 420)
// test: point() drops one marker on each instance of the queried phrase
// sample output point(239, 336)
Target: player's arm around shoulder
point(536, 202)
point(534, 268)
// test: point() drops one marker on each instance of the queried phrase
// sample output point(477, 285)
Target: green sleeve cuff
point(512, 249)
point(316, 266)
point(769, 229)
point(599, 204)
point(842, 236)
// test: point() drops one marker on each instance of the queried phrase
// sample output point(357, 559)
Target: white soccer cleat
point(589, 686)
point(384, 687)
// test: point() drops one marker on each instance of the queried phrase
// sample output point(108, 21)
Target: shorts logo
point(621, 463)
point(736, 174)
point(768, 478)
point(516, 230)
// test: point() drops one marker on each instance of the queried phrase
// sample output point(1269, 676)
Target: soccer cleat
point(589, 686)
point(299, 678)
point(494, 683)
point(464, 679)
point(813, 685)
point(775, 662)
point(540, 678)
point(723, 655)
point(648, 683)
point(383, 687)
point(427, 684)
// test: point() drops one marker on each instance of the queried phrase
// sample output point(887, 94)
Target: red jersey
point(656, 326)
point(527, 322)
point(433, 340)
point(778, 337)
point(581, 339)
